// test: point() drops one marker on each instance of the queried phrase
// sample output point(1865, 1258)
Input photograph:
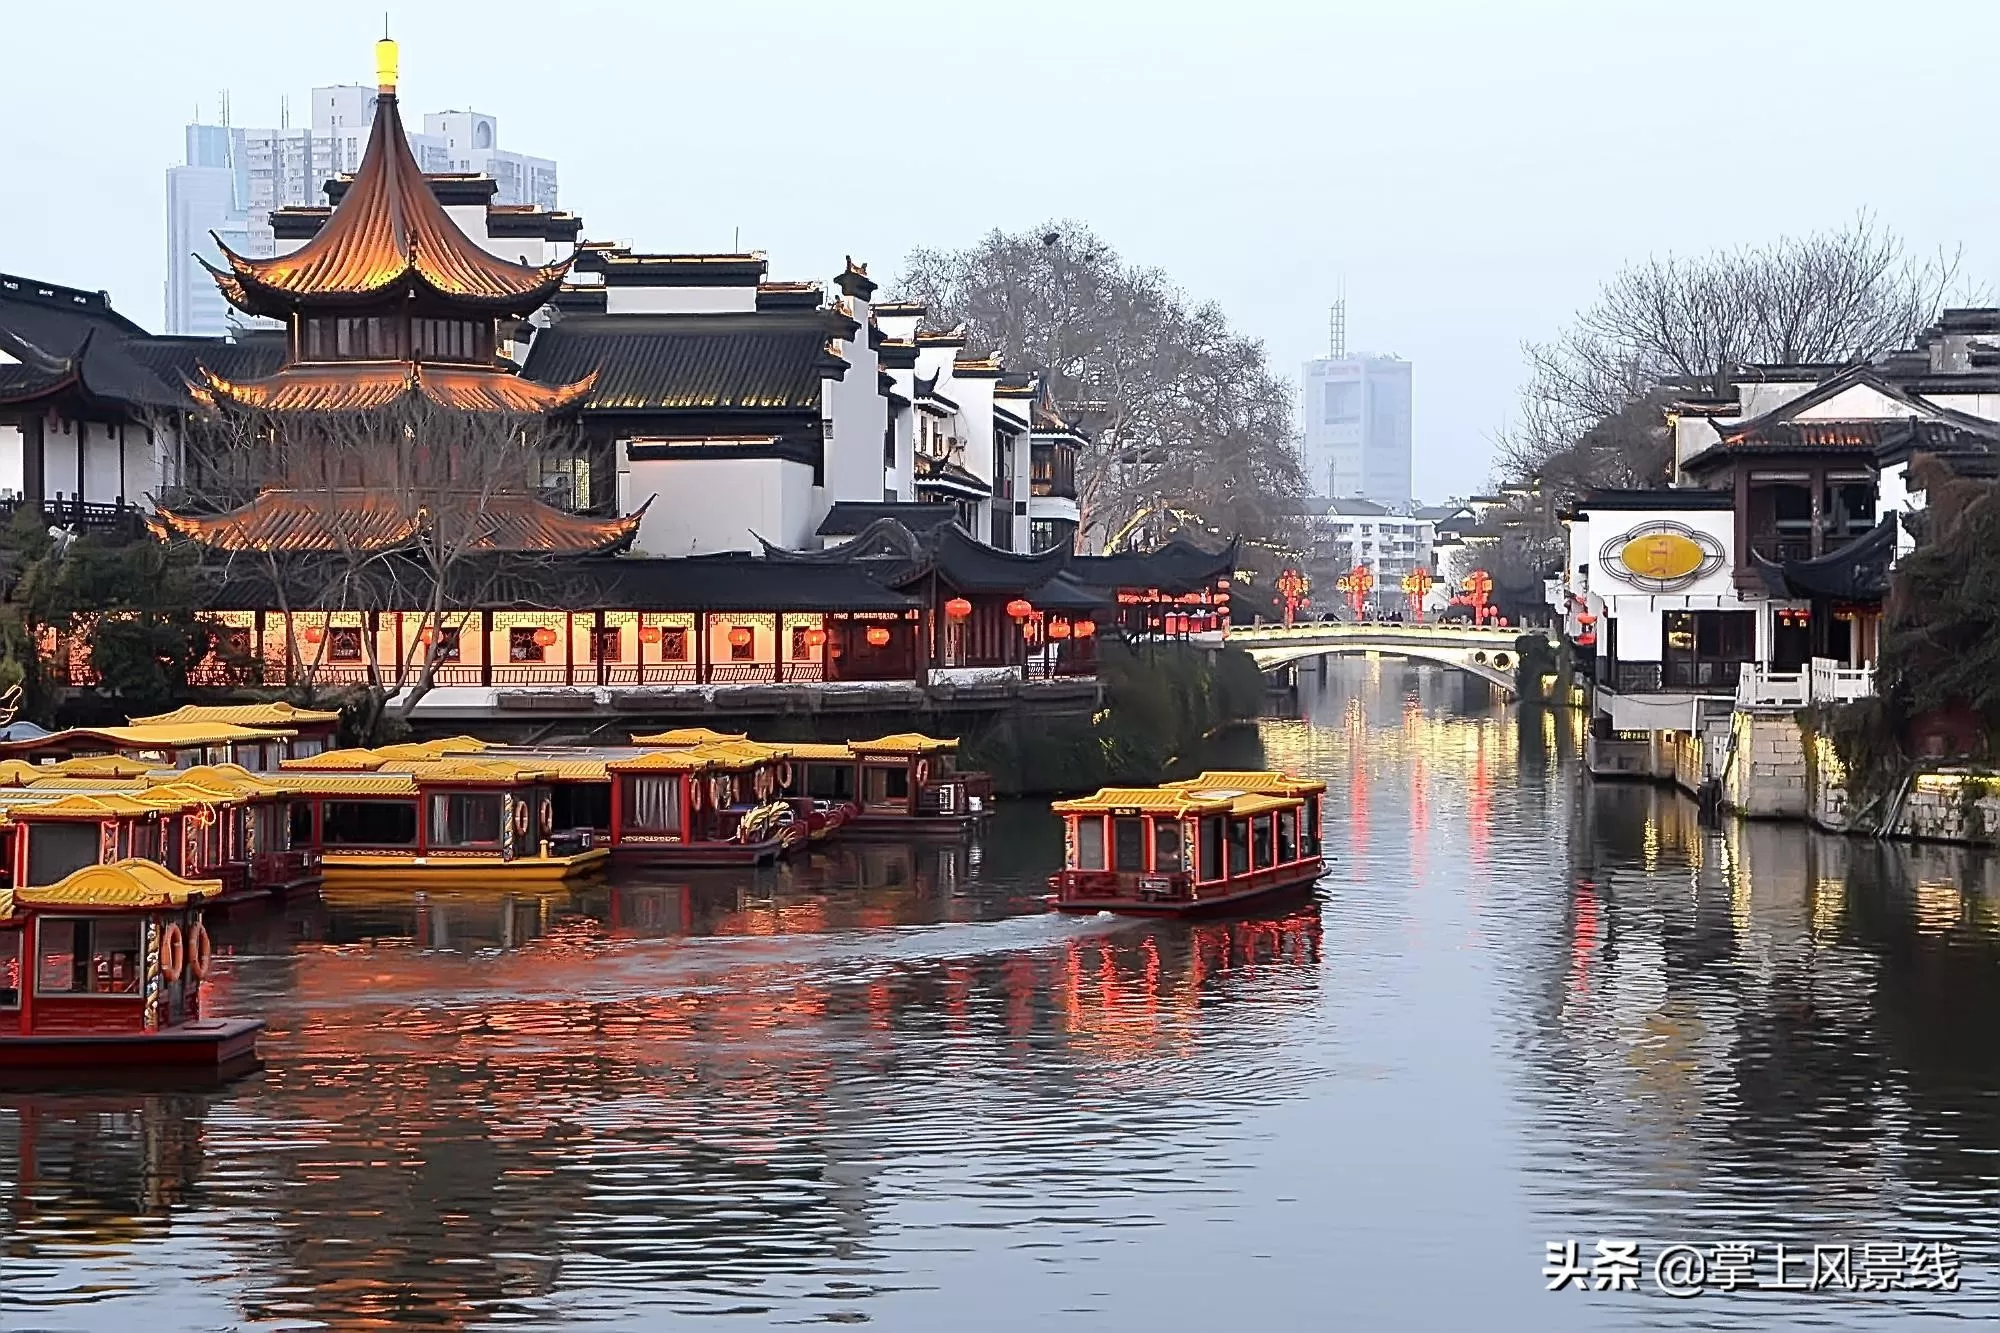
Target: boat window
point(1239, 846)
point(1090, 842)
point(1211, 847)
point(302, 823)
point(271, 829)
point(1309, 843)
point(1128, 844)
point(1260, 841)
point(1166, 845)
point(884, 785)
point(94, 956)
point(655, 805)
point(581, 805)
point(1288, 835)
point(10, 969)
point(369, 823)
point(57, 849)
point(465, 819)
point(830, 782)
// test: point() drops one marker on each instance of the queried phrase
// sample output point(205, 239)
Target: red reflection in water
point(1479, 806)
point(1583, 935)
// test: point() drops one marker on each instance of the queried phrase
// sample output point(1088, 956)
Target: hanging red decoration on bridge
point(1477, 588)
point(1417, 585)
point(1357, 583)
point(1293, 588)
point(958, 608)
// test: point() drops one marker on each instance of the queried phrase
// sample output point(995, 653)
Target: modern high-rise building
point(1356, 441)
point(235, 176)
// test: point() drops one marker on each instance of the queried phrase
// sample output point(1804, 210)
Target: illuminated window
point(607, 644)
point(343, 645)
point(673, 645)
point(521, 645)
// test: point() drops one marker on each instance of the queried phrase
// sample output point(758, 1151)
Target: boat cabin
point(310, 730)
point(1178, 849)
point(162, 745)
point(471, 819)
point(104, 968)
point(910, 783)
point(714, 803)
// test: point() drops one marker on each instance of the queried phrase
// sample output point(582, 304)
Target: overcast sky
point(1470, 171)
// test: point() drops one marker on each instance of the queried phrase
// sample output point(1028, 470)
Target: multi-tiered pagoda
point(394, 316)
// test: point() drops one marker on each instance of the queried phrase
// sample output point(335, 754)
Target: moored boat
point(101, 972)
point(1218, 842)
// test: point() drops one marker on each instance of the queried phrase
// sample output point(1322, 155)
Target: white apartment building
point(236, 177)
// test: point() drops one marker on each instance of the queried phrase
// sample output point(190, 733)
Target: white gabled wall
point(856, 414)
point(704, 505)
point(13, 465)
point(623, 300)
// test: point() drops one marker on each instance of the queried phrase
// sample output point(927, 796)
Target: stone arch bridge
point(1488, 653)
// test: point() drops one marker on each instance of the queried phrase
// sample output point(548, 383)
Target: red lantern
point(545, 637)
point(426, 635)
point(1085, 628)
point(878, 635)
point(1058, 629)
point(958, 608)
point(740, 637)
point(314, 633)
point(649, 634)
point(1020, 608)
point(815, 638)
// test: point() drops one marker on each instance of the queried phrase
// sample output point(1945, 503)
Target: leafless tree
point(1591, 411)
point(1189, 425)
point(414, 511)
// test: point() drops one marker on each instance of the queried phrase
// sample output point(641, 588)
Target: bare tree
point(414, 515)
point(1189, 425)
point(1591, 411)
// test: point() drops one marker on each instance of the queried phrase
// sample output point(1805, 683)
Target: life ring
point(548, 814)
point(200, 950)
point(173, 952)
point(785, 773)
point(923, 771)
point(694, 793)
point(520, 819)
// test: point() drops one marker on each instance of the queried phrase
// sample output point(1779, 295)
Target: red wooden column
point(569, 647)
point(486, 648)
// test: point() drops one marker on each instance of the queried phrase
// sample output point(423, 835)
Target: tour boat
point(461, 819)
point(896, 785)
point(1219, 842)
point(713, 803)
point(101, 972)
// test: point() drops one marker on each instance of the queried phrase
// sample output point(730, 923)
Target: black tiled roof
point(1856, 572)
point(64, 323)
point(848, 517)
point(1179, 566)
point(752, 362)
point(177, 361)
point(736, 582)
point(970, 565)
point(1662, 498)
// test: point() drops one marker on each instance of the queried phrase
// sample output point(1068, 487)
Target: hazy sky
point(1469, 170)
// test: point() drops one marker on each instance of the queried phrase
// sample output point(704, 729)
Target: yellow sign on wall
point(1661, 556)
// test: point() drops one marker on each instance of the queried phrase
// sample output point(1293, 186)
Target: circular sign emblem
point(1661, 557)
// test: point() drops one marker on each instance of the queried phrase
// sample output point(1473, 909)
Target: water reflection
point(882, 1084)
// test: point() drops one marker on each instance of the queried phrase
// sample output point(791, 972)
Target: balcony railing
point(1824, 681)
point(1675, 676)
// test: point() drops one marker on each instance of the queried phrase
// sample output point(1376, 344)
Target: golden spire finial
point(385, 60)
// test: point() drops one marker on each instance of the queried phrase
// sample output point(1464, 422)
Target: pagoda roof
point(1856, 572)
point(387, 233)
point(375, 520)
point(366, 386)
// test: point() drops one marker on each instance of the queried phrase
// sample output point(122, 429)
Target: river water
point(884, 1087)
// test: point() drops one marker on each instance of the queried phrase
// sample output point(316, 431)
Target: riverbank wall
point(1770, 764)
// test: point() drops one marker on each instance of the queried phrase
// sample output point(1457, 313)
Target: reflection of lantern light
point(314, 634)
point(878, 635)
point(740, 637)
point(958, 608)
point(1058, 629)
point(545, 637)
point(1085, 628)
point(815, 637)
point(649, 634)
point(1020, 608)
